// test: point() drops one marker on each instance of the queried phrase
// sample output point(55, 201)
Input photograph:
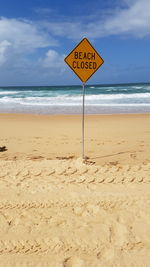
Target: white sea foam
point(95, 100)
point(118, 96)
point(78, 97)
point(8, 92)
point(68, 97)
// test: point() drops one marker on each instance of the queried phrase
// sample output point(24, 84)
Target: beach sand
point(58, 210)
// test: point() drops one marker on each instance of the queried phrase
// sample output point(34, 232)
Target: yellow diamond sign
point(84, 60)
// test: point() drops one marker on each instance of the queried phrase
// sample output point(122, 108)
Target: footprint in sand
point(70, 171)
point(82, 170)
point(109, 179)
point(80, 179)
point(125, 168)
point(135, 168)
point(92, 170)
point(103, 169)
point(3, 173)
point(73, 262)
point(36, 172)
point(119, 179)
point(60, 171)
point(50, 171)
point(24, 173)
point(133, 156)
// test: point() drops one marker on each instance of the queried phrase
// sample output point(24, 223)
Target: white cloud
point(134, 20)
point(52, 64)
point(53, 60)
point(24, 35)
point(20, 41)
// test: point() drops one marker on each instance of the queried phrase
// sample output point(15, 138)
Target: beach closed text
point(84, 60)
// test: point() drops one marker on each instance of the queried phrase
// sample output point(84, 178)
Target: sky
point(36, 35)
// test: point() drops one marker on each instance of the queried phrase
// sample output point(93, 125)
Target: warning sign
point(84, 60)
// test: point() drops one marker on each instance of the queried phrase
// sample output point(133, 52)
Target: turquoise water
point(99, 99)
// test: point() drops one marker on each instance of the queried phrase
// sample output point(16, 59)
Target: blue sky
point(36, 35)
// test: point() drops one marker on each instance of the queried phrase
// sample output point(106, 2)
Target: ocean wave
point(90, 97)
point(8, 92)
point(67, 97)
point(118, 96)
point(137, 99)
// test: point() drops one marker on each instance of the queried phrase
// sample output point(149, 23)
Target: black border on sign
point(95, 52)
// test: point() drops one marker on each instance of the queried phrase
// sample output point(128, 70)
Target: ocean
point(99, 99)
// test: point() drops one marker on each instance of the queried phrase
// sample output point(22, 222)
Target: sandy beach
point(58, 210)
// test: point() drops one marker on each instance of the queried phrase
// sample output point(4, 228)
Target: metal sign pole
point(83, 86)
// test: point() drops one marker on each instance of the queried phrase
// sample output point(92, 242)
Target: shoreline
point(86, 114)
point(72, 110)
point(78, 114)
